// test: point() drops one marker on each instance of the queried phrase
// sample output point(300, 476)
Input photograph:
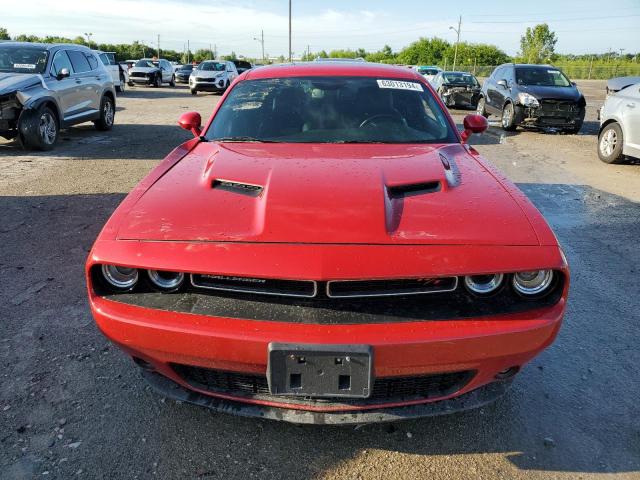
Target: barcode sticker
point(400, 85)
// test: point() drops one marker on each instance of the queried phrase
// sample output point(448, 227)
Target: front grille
point(138, 74)
point(263, 286)
point(385, 390)
point(385, 288)
point(558, 107)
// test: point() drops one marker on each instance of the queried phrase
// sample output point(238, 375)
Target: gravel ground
point(73, 406)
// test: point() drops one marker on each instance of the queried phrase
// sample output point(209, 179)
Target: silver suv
point(46, 87)
point(212, 76)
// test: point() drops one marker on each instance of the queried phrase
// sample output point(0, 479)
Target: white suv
point(212, 76)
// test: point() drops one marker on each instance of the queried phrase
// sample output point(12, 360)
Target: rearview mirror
point(191, 121)
point(473, 124)
point(63, 73)
point(502, 83)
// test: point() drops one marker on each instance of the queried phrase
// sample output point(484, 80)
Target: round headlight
point(166, 280)
point(122, 278)
point(483, 284)
point(533, 282)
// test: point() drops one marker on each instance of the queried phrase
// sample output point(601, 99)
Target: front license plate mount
point(309, 370)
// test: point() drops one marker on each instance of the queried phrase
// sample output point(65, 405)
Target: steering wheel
point(372, 119)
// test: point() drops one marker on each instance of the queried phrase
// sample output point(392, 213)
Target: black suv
point(532, 96)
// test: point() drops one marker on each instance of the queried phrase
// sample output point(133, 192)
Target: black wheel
point(39, 128)
point(480, 108)
point(131, 84)
point(194, 91)
point(610, 144)
point(107, 114)
point(172, 83)
point(157, 82)
point(123, 85)
point(508, 118)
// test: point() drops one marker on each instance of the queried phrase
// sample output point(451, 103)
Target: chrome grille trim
point(390, 293)
point(254, 290)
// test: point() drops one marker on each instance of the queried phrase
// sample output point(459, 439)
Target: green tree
point(4, 34)
point(538, 44)
point(425, 51)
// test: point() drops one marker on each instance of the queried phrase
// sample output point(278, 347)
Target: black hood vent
point(408, 190)
point(237, 187)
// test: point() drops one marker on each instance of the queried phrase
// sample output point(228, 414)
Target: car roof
point(317, 69)
point(46, 46)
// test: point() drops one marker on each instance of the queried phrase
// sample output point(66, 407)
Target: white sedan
point(620, 125)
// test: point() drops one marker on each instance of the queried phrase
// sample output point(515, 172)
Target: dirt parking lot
point(73, 406)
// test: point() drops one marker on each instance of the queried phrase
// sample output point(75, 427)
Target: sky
point(581, 26)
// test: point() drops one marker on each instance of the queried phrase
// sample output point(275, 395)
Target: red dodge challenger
point(328, 249)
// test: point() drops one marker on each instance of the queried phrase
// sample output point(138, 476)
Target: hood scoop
point(237, 187)
point(409, 190)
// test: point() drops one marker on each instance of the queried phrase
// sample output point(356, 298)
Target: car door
point(86, 84)
point(167, 71)
point(112, 68)
point(232, 72)
point(65, 88)
point(631, 120)
point(500, 92)
point(490, 100)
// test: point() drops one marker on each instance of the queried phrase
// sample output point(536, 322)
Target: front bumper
point(214, 85)
point(474, 399)
point(466, 98)
point(231, 341)
point(142, 80)
point(537, 117)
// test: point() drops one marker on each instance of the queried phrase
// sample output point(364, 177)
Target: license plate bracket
point(308, 370)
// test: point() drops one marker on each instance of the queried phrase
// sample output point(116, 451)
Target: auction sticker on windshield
point(397, 84)
point(27, 66)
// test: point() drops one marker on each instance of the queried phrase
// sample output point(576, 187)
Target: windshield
point(331, 110)
point(186, 67)
point(20, 59)
point(541, 76)
point(460, 78)
point(144, 63)
point(428, 71)
point(212, 67)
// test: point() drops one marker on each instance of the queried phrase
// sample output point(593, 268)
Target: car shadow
point(84, 141)
point(155, 93)
point(573, 409)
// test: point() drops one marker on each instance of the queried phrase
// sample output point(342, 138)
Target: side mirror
point(502, 83)
point(191, 121)
point(574, 84)
point(63, 73)
point(473, 124)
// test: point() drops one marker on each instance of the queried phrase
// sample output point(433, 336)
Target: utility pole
point(289, 31)
point(188, 52)
point(158, 46)
point(210, 53)
point(308, 53)
point(457, 30)
point(215, 50)
point(261, 40)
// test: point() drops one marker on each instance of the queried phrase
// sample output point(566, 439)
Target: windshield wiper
point(355, 141)
point(243, 139)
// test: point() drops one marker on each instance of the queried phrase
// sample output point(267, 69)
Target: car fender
point(34, 102)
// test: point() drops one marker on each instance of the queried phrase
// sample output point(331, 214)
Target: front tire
point(157, 81)
point(508, 118)
point(172, 83)
point(39, 128)
point(610, 144)
point(120, 88)
point(481, 109)
point(107, 114)
point(194, 91)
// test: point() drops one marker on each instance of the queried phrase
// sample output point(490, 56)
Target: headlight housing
point(533, 282)
point(120, 278)
point(528, 100)
point(483, 284)
point(164, 280)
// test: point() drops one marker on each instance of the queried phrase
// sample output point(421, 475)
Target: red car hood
point(329, 193)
